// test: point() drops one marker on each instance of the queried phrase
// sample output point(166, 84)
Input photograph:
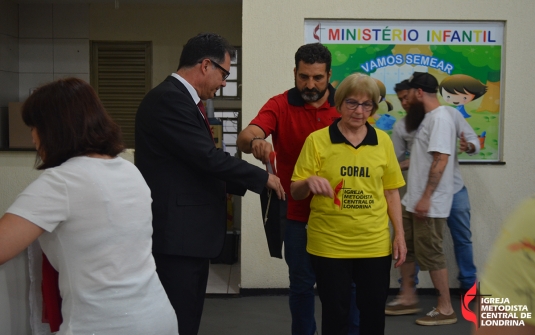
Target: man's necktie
point(203, 111)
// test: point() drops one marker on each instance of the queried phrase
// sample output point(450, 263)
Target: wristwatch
point(251, 143)
point(471, 148)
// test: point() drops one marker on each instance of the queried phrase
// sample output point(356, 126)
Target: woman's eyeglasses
point(353, 105)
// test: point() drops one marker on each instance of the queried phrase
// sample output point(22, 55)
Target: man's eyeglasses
point(353, 105)
point(225, 72)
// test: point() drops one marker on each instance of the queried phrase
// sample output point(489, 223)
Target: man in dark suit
point(188, 176)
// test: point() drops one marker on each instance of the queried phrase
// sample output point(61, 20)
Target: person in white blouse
point(91, 211)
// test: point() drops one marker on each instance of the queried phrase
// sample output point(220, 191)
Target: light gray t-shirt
point(436, 133)
point(97, 218)
point(403, 141)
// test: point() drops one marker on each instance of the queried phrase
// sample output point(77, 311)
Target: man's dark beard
point(312, 95)
point(415, 116)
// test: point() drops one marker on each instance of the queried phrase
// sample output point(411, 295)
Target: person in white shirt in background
point(459, 217)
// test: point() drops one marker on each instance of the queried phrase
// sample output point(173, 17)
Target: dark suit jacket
point(188, 176)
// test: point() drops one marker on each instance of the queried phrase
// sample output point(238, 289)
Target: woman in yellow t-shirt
point(352, 170)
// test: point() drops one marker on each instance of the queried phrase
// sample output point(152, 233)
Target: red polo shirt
point(289, 120)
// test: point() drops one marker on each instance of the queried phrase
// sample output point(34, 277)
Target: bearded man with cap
point(429, 195)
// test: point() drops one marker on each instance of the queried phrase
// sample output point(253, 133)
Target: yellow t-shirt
point(355, 223)
point(510, 269)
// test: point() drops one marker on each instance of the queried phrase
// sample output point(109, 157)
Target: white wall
point(272, 32)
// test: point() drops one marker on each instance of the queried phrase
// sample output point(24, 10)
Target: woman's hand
point(399, 249)
point(301, 189)
point(320, 186)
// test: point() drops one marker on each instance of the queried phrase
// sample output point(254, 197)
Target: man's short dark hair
point(402, 86)
point(313, 53)
point(205, 45)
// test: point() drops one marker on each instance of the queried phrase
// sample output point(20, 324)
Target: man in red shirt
point(289, 118)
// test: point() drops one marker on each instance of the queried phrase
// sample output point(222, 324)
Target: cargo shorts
point(424, 241)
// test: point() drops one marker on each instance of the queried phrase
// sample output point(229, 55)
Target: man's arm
point(435, 175)
point(168, 120)
point(252, 140)
point(400, 145)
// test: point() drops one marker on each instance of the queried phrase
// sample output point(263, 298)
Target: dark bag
point(274, 222)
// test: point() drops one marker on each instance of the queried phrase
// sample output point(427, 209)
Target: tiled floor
point(232, 314)
point(224, 279)
point(268, 315)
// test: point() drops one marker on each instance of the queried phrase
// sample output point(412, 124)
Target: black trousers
point(334, 277)
point(184, 280)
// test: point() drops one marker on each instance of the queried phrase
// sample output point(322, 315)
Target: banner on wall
point(464, 56)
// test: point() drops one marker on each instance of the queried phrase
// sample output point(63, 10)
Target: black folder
point(274, 222)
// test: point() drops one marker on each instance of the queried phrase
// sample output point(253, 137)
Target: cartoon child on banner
point(382, 121)
point(460, 89)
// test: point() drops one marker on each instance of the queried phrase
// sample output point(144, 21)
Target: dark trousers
point(334, 277)
point(184, 280)
point(302, 278)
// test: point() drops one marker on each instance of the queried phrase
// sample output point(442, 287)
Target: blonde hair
point(355, 84)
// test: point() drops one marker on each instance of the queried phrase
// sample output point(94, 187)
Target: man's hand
point(274, 183)
point(252, 140)
point(422, 208)
point(465, 146)
point(404, 165)
point(261, 149)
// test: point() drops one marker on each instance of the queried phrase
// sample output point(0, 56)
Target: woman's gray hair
point(355, 84)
